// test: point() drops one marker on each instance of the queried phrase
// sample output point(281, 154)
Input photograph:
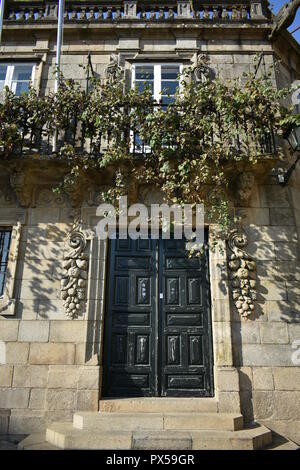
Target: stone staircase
point(157, 424)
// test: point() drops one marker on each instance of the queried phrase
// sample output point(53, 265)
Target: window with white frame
point(16, 76)
point(163, 80)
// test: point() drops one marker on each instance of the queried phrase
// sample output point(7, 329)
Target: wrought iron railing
point(244, 138)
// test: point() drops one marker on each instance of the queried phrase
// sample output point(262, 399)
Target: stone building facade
point(53, 364)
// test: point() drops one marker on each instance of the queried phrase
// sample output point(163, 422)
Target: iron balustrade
point(245, 138)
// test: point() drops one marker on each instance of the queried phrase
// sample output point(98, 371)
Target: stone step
point(36, 441)
point(158, 405)
point(245, 439)
point(65, 436)
point(282, 443)
point(156, 421)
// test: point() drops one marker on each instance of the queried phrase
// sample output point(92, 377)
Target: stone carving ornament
point(114, 68)
point(242, 268)
point(244, 188)
point(46, 196)
point(75, 277)
point(202, 70)
point(284, 17)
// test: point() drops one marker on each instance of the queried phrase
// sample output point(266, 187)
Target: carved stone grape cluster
point(242, 268)
point(74, 281)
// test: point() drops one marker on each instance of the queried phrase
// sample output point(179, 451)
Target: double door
point(157, 338)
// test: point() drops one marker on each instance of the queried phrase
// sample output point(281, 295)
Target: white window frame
point(157, 75)
point(10, 72)
point(156, 87)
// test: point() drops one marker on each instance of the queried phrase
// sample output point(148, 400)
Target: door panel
point(158, 332)
point(184, 322)
point(129, 344)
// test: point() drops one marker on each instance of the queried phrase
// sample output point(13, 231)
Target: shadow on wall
point(39, 272)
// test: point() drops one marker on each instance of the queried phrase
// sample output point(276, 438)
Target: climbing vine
point(187, 149)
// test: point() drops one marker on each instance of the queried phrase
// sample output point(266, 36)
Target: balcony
point(30, 139)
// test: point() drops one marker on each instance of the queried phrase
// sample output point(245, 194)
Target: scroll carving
point(242, 268)
point(75, 277)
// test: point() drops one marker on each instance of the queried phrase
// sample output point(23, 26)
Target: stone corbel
point(242, 269)
point(20, 182)
point(245, 185)
point(76, 265)
point(77, 189)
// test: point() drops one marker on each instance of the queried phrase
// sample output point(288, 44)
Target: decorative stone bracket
point(20, 181)
point(242, 268)
point(75, 277)
point(201, 70)
point(115, 67)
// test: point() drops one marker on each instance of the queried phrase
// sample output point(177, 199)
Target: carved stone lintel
point(75, 277)
point(242, 268)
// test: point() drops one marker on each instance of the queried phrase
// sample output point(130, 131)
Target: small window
point(17, 77)
point(5, 238)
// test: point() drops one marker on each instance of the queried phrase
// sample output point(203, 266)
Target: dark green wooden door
point(157, 331)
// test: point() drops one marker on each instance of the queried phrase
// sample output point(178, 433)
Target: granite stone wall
point(53, 364)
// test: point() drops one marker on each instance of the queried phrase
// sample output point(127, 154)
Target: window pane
point(169, 72)
point(22, 72)
point(20, 87)
point(21, 78)
point(142, 86)
point(168, 88)
point(143, 72)
point(166, 100)
point(5, 236)
point(144, 78)
point(3, 70)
